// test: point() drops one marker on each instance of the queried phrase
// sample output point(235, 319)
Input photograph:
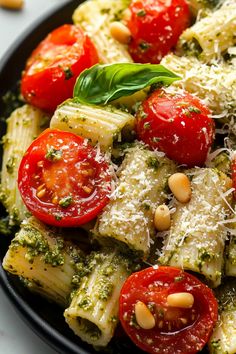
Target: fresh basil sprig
point(101, 84)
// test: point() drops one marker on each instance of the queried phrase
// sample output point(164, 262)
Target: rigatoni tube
point(223, 339)
point(129, 217)
point(44, 260)
point(93, 312)
point(95, 17)
point(102, 125)
point(23, 126)
point(197, 236)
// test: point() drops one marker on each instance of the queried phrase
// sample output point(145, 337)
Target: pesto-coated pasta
point(95, 16)
point(102, 125)
point(93, 312)
point(223, 339)
point(212, 35)
point(230, 255)
point(128, 218)
point(23, 126)
point(197, 235)
point(214, 84)
point(44, 260)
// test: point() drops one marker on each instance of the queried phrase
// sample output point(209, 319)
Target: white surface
point(15, 336)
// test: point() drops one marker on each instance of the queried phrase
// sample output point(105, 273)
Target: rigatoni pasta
point(211, 36)
point(128, 218)
point(44, 260)
point(197, 236)
point(101, 125)
point(95, 17)
point(93, 312)
point(23, 126)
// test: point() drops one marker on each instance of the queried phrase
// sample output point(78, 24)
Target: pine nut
point(144, 316)
point(183, 300)
point(120, 32)
point(12, 4)
point(180, 186)
point(162, 218)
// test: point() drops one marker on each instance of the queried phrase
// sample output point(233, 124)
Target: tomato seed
point(40, 164)
point(86, 189)
point(41, 193)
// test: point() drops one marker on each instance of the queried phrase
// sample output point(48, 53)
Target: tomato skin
point(152, 286)
point(177, 124)
point(69, 189)
point(53, 67)
point(155, 27)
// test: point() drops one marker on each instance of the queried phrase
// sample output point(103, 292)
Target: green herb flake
point(68, 73)
point(146, 125)
point(179, 278)
point(53, 154)
point(194, 109)
point(66, 201)
point(144, 46)
point(153, 162)
point(141, 13)
point(10, 165)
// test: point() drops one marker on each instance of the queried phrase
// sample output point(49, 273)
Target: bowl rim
point(42, 328)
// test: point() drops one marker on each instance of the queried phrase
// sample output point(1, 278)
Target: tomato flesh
point(155, 27)
point(177, 124)
point(53, 67)
point(62, 181)
point(177, 330)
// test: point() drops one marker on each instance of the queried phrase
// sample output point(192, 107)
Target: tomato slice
point(177, 124)
point(53, 67)
point(177, 330)
point(63, 180)
point(155, 27)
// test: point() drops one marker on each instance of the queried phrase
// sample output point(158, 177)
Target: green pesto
point(141, 13)
point(194, 109)
point(31, 239)
point(89, 328)
point(222, 162)
point(192, 48)
point(144, 46)
point(66, 201)
point(68, 73)
point(53, 154)
point(153, 162)
point(11, 164)
point(204, 256)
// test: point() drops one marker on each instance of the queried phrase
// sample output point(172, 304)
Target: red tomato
point(53, 67)
point(155, 27)
point(177, 124)
point(177, 330)
point(63, 181)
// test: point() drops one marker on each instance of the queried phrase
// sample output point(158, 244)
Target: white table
point(15, 336)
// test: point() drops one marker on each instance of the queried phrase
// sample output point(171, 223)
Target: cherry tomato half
point(53, 67)
point(63, 181)
point(177, 124)
point(177, 330)
point(155, 27)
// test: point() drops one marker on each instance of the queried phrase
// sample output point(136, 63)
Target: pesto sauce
point(36, 245)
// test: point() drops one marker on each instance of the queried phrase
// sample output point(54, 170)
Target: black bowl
point(46, 320)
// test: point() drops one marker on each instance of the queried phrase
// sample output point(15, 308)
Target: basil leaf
point(103, 83)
